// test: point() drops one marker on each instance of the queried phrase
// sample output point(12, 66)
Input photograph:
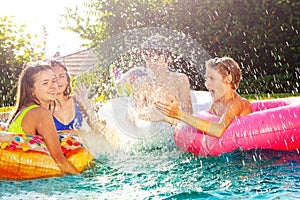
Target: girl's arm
point(87, 108)
point(44, 125)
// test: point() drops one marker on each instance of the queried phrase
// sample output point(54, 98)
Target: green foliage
point(262, 35)
point(269, 96)
point(99, 81)
point(15, 50)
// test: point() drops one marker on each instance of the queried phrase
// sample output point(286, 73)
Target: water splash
point(132, 40)
point(123, 50)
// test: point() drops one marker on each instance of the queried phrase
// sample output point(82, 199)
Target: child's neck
point(226, 97)
point(61, 97)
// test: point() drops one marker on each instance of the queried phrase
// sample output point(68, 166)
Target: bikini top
point(75, 124)
point(16, 125)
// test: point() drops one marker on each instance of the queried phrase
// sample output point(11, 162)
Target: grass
point(268, 96)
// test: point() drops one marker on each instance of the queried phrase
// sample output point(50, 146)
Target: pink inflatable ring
point(274, 124)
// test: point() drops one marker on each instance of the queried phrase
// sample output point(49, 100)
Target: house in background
point(78, 62)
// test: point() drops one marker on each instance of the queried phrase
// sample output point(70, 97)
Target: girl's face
point(61, 76)
point(214, 82)
point(45, 87)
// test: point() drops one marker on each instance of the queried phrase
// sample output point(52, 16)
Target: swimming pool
point(168, 173)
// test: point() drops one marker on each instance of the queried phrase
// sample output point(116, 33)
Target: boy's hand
point(170, 109)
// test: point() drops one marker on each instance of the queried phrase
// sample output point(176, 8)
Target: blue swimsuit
point(76, 123)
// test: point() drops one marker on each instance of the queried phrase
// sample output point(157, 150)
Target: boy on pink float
point(222, 79)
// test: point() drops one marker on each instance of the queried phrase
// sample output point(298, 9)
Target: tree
point(262, 35)
point(15, 50)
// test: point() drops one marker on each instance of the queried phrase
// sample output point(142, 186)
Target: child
point(66, 110)
point(36, 91)
point(160, 82)
point(222, 79)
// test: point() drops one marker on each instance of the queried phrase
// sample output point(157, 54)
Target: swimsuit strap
point(16, 125)
point(76, 122)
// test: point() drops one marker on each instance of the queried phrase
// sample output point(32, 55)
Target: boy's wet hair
point(227, 66)
point(157, 42)
point(156, 45)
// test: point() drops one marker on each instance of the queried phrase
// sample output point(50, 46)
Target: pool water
point(168, 173)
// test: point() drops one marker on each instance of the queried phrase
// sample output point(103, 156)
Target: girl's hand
point(170, 109)
point(81, 94)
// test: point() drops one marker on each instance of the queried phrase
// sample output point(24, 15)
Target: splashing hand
point(82, 93)
point(170, 108)
point(87, 108)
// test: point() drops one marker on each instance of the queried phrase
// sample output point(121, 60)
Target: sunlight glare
point(36, 14)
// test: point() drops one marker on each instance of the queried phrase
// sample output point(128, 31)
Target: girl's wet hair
point(68, 89)
point(227, 66)
point(25, 86)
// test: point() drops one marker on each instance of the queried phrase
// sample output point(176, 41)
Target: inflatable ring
point(274, 124)
point(26, 156)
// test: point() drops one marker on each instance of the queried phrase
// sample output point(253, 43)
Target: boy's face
point(214, 82)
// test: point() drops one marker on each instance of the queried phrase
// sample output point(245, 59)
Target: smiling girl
point(66, 110)
point(36, 91)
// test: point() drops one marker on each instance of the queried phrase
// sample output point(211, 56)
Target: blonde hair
point(227, 66)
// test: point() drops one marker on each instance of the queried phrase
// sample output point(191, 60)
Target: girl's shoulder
point(39, 112)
